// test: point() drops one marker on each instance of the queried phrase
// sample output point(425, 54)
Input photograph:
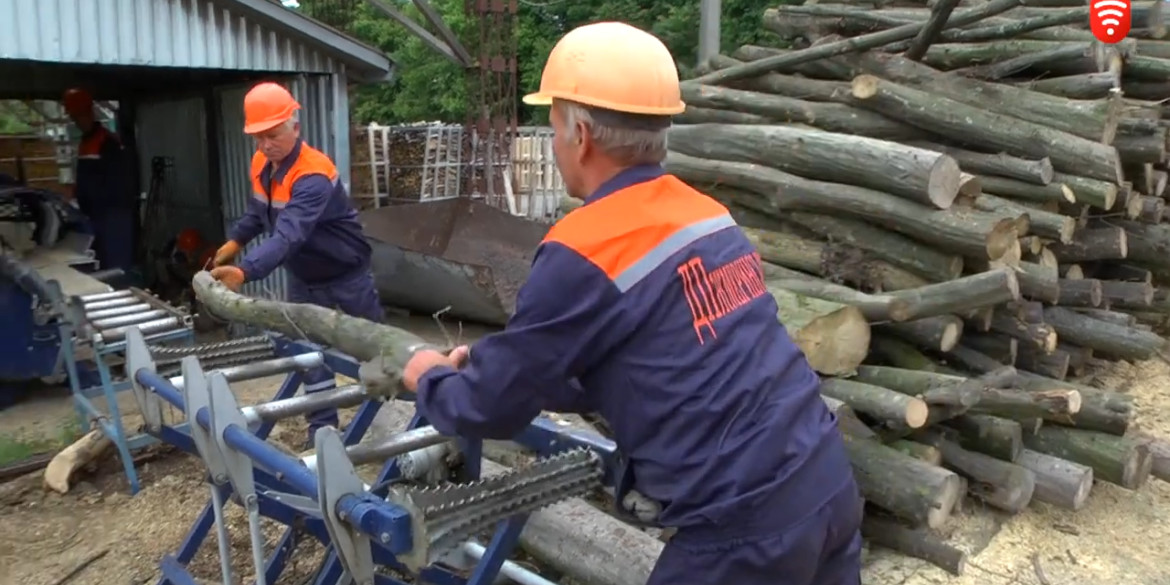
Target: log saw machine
point(424, 512)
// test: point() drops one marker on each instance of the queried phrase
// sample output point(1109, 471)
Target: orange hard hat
point(188, 241)
point(267, 106)
point(614, 66)
point(77, 101)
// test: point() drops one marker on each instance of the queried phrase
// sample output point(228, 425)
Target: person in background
point(648, 305)
point(103, 187)
point(299, 202)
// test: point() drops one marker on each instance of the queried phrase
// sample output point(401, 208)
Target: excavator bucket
point(458, 254)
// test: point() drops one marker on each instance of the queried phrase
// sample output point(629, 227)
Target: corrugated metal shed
point(255, 35)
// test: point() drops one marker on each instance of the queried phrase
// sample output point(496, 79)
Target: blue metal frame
point(387, 525)
point(84, 388)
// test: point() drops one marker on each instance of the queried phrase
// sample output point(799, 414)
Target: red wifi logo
point(1110, 20)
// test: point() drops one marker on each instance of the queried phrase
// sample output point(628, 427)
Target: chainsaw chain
point(252, 351)
point(181, 351)
point(239, 358)
point(453, 514)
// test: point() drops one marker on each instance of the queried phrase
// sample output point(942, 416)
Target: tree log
point(1054, 365)
point(793, 86)
point(1039, 283)
point(997, 437)
point(1043, 223)
point(1037, 335)
point(695, 115)
point(77, 455)
point(971, 233)
point(877, 402)
point(1085, 86)
point(1013, 188)
point(1127, 296)
point(895, 352)
point(874, 307)
point(917, 543)
point(939, 333)
point(896, 249)
point(932, 112)
point(1061, 483)
point(1093, 244)
point(1160, 454)
point(1080, 293)
point(1022, 406)
point(1035, 172)
point(830, 117)
point(833, 337)
point(1000, 484)
point(1117, 460)
point(798, 253)
point(917, 174)
point(918, 492)
point(1107, 338)
point(1000, 348)
point(919, 451)
point(956, 296)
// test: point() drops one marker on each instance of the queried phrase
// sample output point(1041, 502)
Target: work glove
point(226, 253)
point(230, 276)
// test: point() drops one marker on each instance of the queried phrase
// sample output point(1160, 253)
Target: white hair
point(292, 122)
point(629, 146)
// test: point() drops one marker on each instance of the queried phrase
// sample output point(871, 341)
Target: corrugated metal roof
point(235, 34)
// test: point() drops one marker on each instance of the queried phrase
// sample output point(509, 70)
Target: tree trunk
point(956, 296)
point(1107, 338)
point(1043, 223)
point(793, 251)
point(1000, 484)
point(830, 117)
point(1080, 293)
point(940, 115)
point(1117, 460)
point(793, 86)
point(1093, 244)
point(1099, 194)
point(917, 492)
point(1054, 365)
point(917, 543)
point(1127, 296)
point(834, 337)
point(919, 451)
point(916, 174)
point(874, 307)
point(939, 333)
point(997, 437)
point(971, 233)
point(1060, 483)
point(1085, 86)
point(1013, 188)
point(1016, 405)
point(998, 347)
point(695, 115)
point(1035, 172)
point(1037, 335)
point(877, 402)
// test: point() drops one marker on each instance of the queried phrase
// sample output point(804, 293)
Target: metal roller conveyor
point(116, 311)
point(343, 397)
point(98, 297)
point(128, 319)
point(123, 301)
point(388, 448)
point(147, 328)
point(265, 368)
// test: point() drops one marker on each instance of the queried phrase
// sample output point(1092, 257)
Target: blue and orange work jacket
point(102, 184)
point(303, 207)
point(647, 304)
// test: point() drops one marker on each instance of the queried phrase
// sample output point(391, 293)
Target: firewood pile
point(961, 210)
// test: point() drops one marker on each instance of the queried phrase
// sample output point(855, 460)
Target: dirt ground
point(100, 535)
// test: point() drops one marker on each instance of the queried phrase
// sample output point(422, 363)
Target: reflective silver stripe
point(89, 156)
point(669, 247)
point(260, 197)
point(278, 204)
point(320, 385)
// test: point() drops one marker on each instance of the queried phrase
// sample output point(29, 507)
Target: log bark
point(898, 353)
point(793, 86)
point(971, 233)
point(1093, 244)
point(1054, 365)
point(1080, 293)
point(1036, 335)
point(1096, 121)
point(1127, 296)
point(1000, 484)
point(1060, 483)
point(997, 437)
point(1160, 454)
point(81, 452)
point(1035, 172)
point(1000, 348)
point(916, 174)
point(847, 421)
point(781, 62)
point(833, 337)
point(956, 296)
point(917, 492)
point(1106, 338)
point(932, 112)
point(874, 307)
point(939, 333)
point(1043, 223)
point(1016, 189)
point(792, 251)
point(931, 30)
point(1085, 86)
point(917, 543)
point(936, 388)
point(1099, 194)
point(891, 247)
point(877, 402)
point(1021, 406)
point(831, 117)
point(696, 115)
point(1117, 460)
point(1101, 410)
point(919, 451)
point(1039, 283)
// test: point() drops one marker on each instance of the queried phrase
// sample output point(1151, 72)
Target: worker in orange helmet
point(647, 304)
point(103, 188)
point(300, 203)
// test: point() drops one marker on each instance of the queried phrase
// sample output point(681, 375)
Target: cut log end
point(944, 182)
point(949, 494)
point(837, 342)
point(1003, 242)
point(1069, 195)
point(917, 412)
point(951, 334)
point(865, 87)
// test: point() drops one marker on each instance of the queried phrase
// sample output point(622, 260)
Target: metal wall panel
point(177, 131)
point(323, 119)
point(160, 33)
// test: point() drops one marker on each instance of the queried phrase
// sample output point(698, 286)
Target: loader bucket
point(456, 253)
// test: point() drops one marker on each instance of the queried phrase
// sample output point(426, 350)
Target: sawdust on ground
point(46, 536)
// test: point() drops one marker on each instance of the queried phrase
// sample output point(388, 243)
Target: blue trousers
point(354, 295)
point(822, 549)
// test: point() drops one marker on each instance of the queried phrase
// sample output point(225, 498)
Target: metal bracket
point(297, 502)
point(138, 358)
point(336, 478)
point(225, 412)
point(197, 396)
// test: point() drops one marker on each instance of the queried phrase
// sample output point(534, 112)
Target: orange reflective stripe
point(630, 233)
point(310, 162)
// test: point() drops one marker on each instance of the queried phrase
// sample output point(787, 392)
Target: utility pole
point(710, 12)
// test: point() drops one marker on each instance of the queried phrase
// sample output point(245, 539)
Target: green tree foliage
point(428, 87)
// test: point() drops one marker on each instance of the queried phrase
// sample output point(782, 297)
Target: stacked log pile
point(961, 210)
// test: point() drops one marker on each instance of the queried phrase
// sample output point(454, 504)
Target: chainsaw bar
point(444, 517)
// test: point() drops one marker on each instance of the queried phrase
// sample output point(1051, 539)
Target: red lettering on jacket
point(711, 295)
